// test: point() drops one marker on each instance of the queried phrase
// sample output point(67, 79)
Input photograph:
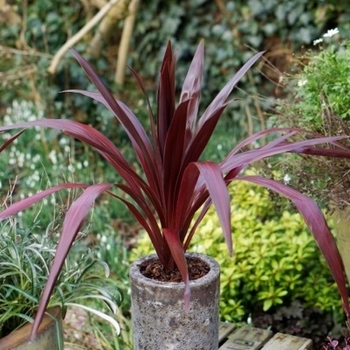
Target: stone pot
point(49, 336)
point(159, 318)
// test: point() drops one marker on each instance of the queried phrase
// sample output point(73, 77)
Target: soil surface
point(154, 269)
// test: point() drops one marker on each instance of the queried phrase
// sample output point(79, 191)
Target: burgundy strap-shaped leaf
point(208, 121)
point(10, 140)
point(177, 252)
point(165, 96)
point(103, 146)
point(248, 157)
point(201, 137)
point(173, 155)
point(150, 112)
point(131, 124)
point(128, 120)
point(152, 168)
point(151, 225)
point(223, 95)
point(191, 89)
point(25, 203)
point(72, 222)
point(212, 177)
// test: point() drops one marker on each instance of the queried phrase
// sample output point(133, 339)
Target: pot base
point(49, 337)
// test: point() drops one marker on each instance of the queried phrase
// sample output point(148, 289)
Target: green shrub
point(275, 259)
point(319, 101)
point(320, 88)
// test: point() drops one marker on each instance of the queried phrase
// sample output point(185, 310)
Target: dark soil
point(154, 269)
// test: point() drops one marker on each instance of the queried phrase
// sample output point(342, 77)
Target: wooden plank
point(282, 341)
point(225, 329)
point(246, 338)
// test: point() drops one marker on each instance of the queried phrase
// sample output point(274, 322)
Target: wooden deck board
point(246, 338)
point(282, 341)
point(250, 338)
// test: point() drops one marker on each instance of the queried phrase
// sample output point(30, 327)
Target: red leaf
point(132, 126)
point(200, 139)
point(72, 222)
point(212, 178)
point(27, 202)
point(241, 159)
point(173, 156)
point(191, 87)
point(177, 252)
point(222, 96)
point(10, 140)
point(97, 141)
point(165, 96)
point(141, 144)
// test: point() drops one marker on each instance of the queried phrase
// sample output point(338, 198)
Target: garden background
point(31, 35)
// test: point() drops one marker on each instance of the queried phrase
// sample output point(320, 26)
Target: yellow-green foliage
point(275, 258)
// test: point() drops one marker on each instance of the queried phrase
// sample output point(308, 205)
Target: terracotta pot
point(49, 337)
point(159, 318)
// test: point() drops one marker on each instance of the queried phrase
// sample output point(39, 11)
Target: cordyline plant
point(175, 184)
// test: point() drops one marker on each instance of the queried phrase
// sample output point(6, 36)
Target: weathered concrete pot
point(49, 337)
point(159, 318)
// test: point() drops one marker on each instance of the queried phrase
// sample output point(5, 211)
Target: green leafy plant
point(175, 183)
point(25, 258)
point(319, 101)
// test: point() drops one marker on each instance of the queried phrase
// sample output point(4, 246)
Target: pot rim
point(211, 275)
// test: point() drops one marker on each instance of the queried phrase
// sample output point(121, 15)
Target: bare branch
point(106, 27)
point(75, 38)
point(125, 42)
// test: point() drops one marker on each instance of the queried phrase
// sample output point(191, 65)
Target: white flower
point(71, 168)
point(286, 179)
point(63, 141)
point(302, 82)
point(331, 32)
point(318, 41)
point(53, 156)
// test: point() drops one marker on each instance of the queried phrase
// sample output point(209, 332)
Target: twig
point(29, 52)
point(106, 27)
point(125, 42)
point(75, 38)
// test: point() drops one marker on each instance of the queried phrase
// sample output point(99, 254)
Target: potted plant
point(318, 99)
point(174, 185)
point(25, 257)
